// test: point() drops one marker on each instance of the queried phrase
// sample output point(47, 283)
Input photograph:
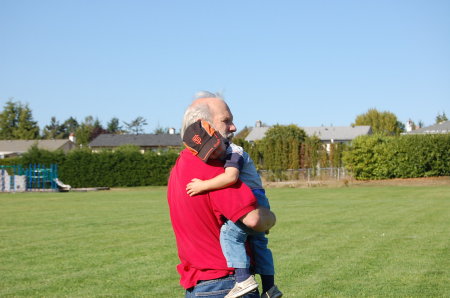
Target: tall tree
point(281, 147)
point(113, 126)
point(84, 131)
point(27, 128)
point(381, 122)
point(136, 126)
point(71, 125)
point(16, 122)
point(54, 130)
point(441, 118)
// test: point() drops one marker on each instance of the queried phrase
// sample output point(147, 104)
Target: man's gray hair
point(198, 111)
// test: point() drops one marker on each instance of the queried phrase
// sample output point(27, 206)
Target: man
point(197, 220)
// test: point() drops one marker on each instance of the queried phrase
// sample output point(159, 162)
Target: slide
point(62, 186)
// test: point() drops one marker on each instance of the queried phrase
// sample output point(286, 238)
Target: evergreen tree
point(16, 122)
point(27, 128)
point(113, 126)
point(281, 147)
point(70, 125)
point(54, 130)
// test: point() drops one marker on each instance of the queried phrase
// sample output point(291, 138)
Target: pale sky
point(308, 63)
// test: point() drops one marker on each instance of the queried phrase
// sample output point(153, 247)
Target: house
point(443, 127)
point(145, 142)
point(337, 134)
point(11, 148)
point(326, 134)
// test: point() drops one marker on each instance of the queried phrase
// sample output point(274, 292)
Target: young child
point(238, 165)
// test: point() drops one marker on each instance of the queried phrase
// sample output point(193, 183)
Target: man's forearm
point(261, 219)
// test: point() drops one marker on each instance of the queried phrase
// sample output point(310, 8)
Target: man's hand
point(195, 187)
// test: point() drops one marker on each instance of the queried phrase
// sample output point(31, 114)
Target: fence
point(307, 175)
point(34, 178)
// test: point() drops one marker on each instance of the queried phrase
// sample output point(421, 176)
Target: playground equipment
point(34, 178)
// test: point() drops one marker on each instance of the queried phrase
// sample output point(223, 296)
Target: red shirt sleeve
point(233, 202)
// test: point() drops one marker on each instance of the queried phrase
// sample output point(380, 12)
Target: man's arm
point(227, 178)
point(260, 219)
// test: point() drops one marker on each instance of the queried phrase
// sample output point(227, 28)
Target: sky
point(310, 63)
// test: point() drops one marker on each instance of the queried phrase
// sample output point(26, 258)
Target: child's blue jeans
point(233, 237)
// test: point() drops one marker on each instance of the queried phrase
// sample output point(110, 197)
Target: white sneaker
point(273, 292)
point(242, 288)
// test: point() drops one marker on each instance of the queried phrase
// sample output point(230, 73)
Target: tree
point(136, 126)
point(54, 130)
point(113, 126)
point(441, 118)
point(420, 124)
point(159, 130)
point(84, 131)
point(71, 125)
point(16, 122)
point(385, 123)
point(281, 147)
point(97, 130)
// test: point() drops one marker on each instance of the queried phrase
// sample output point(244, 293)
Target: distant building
point(326, 134)
point(145, 142)
point(11, 148)
point(443, 127)
point(410, 126)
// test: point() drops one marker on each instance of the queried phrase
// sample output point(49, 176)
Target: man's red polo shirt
point(197, 220)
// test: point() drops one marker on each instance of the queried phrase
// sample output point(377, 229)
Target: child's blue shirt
point(238, 158)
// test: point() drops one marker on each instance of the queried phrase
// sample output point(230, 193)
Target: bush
point(83, 168)
point(121, 168)
point(408, 156)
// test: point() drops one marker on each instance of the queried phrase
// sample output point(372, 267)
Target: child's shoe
point(242, 288)
point(273, 292)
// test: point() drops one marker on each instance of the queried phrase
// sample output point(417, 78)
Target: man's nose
point(232, 128)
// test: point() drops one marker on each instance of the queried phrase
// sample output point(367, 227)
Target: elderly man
point(197, 220)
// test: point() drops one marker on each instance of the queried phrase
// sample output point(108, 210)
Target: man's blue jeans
point(216, 288)
point(233, 237)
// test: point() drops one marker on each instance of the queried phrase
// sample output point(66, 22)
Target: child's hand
point(194, 187)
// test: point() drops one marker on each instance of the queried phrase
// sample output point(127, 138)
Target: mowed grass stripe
point(333, 242)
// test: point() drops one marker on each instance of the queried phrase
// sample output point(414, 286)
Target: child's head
point(204, 141)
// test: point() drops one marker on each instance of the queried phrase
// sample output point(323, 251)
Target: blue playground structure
point(34, 178)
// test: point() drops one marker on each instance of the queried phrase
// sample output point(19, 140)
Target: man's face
point(223, 120)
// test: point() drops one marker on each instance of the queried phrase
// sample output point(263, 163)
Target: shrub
point(408, 156)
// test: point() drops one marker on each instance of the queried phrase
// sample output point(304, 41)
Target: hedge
point(406, 156)
point(83, 168)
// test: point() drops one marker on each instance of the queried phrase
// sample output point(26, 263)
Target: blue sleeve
point(234, 160)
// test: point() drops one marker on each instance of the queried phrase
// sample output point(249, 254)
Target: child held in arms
point(207, 144)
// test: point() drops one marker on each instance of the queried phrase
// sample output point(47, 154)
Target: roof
point(20, 146)
point(257, 133)
point(142, 140)
point(324, 133)
point(338, 133)
point(443, 127)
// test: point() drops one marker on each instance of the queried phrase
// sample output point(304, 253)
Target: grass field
point(328, 242)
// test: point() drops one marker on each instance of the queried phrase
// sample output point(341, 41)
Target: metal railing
point(307, 175)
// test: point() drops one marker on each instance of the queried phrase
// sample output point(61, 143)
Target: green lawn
point(329, 242)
